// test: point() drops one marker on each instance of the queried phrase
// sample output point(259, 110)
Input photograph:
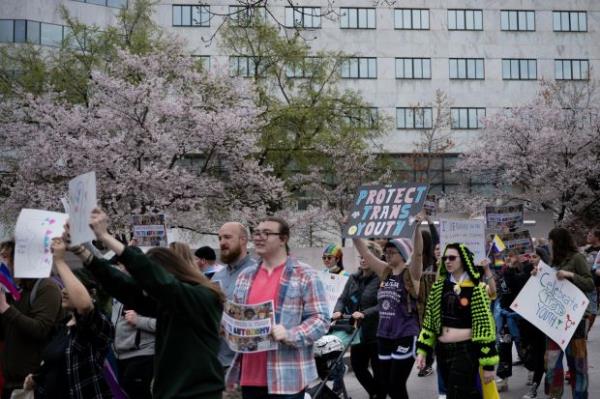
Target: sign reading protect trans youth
point(386, 211)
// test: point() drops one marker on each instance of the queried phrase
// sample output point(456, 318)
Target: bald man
point(233, 243)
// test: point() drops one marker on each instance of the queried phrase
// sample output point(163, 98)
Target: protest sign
point(499, 217)
point(334, 286)
point(430, 205)
point(149, 230)
point(81, 203)
point(386, 211)
point(554, 306)
point(248, 327)
point(33, 238)
point(519, 242)
point(468, 232)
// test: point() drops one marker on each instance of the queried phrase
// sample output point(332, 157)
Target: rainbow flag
point(7, 283)
point(498, 262)
point(497, 244)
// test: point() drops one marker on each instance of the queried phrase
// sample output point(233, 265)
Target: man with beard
point(233, 243)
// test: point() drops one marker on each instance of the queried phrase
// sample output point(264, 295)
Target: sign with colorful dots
point(33, 238)
point(386, 211)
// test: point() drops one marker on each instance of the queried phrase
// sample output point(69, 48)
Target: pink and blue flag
point(8, 284)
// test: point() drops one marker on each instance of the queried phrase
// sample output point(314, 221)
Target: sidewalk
point(426, 387)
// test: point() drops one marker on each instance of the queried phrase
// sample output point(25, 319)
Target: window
point(359, 68)
point(22, 31)
point(51, 35)
point(519, 69)
point(242, 15)
point(411, 18)
point(465, 20)
point(245, 66)
point(357, 18)
point(363, 118)
point(466, 68)
point(33, 32)
point(303, 69)
point(188, 15)
point(517, 20)
point(303, 17)
point(106, 3)
point(414, 118)
point(7, 27)
point(413, 68)
point(467, 118)
point(203, 61)
point(570, 21)
point(571, 69)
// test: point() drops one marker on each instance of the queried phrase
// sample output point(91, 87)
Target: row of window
point(404, 18)
point(422, 118)
point(420, 68)
point(106, 3)
point(26, 31)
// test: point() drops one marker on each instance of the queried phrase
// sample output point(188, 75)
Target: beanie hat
point(402, 245)
point(333, 250)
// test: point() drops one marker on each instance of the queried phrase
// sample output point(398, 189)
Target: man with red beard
point(233, 243)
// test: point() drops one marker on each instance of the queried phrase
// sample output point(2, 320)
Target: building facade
point(486, 55)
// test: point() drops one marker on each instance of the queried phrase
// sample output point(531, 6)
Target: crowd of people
point(148, 325)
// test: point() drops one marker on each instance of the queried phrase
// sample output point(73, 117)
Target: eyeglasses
point(451, 258)
point(390, 253)
point(263, 234)
point(325, 257)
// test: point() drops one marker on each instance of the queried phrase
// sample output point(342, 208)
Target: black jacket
point(360, 294)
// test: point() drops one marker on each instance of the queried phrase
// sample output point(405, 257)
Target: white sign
point(554, 306)
point(334, 286)
point(33, 239)
point(82, 201)
point(468, 232)
point(247, 328)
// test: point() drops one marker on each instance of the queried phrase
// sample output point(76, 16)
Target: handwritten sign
point(149, 230)
point(386, 211)
point(519, 242)
point(554, 306)
point(33, 238)
point(82, 201)
point(499, 217)
point(468, 232)
point(248, 327)
point(334, 286)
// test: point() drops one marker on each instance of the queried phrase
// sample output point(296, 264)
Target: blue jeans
point(509, 318)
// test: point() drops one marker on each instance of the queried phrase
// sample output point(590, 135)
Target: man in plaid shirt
point(301, 317)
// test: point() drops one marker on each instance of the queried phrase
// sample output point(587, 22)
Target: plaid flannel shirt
point(89, 341)
point(303, 311)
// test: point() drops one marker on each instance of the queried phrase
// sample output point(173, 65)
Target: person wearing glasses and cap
point(333, 259)
point(301, 317)
point(458, 324)
point(397, 298)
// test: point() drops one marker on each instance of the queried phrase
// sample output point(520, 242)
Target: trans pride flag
point(7, 283)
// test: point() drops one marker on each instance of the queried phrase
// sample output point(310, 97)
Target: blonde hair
point(375, 249)
point(183, 251)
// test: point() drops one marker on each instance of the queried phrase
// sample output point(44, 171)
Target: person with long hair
point(570, 265)
point(187, 306)
point(398, 294)
point(458, 323)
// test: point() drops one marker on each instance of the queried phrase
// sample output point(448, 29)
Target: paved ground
point(426, 387)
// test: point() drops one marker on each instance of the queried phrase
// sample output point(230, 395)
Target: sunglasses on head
point(451, 258)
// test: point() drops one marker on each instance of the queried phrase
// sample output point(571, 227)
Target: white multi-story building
point(486, 55)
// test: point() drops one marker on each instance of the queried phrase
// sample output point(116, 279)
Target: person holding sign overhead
point(571, 265)
point(458, 324)
point(398, 294)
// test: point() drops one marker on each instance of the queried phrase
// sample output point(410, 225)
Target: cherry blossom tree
point(545, 153)
point(160, 134)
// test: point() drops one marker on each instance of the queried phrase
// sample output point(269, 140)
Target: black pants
point(263, 393)
point(396, 360)
point(458, 366)
point(533, 343)
point(135, 376)
point(360, 357)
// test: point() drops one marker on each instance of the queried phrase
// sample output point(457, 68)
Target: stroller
point(329, 353)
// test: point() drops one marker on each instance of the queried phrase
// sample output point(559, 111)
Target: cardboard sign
point(500, 217)
point(334, 286)
point(247, 328)
point(468, 232)
point(149, 230)
point(81, 203)
point(33, 239)
point(386, 211)
point(554, 306)
point(519, 241)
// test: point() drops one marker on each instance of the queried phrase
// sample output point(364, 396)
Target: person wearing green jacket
point(187, 306)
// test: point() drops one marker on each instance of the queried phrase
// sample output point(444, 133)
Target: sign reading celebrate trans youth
point(386, 211)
